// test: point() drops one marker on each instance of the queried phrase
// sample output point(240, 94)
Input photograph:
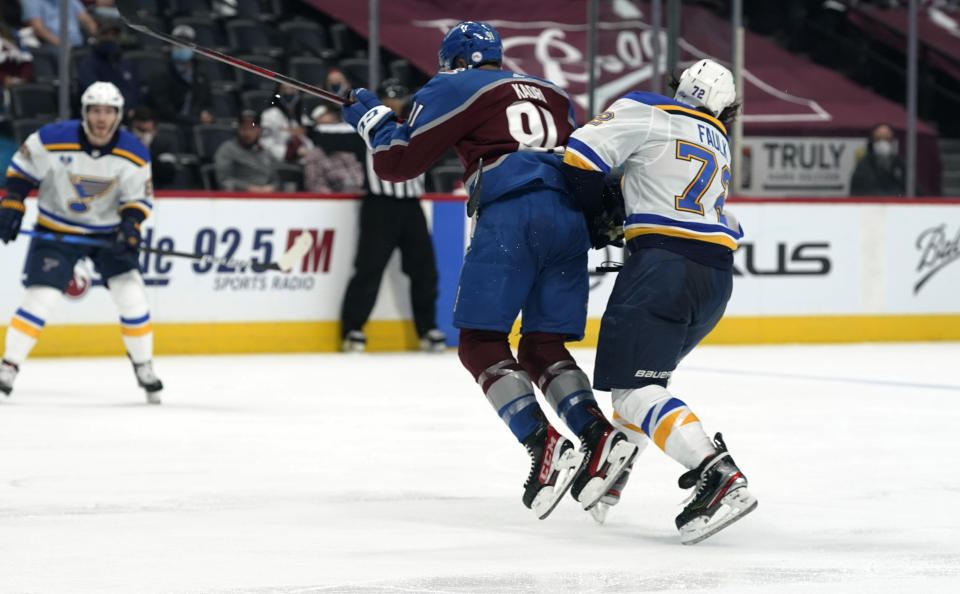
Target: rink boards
point(807, 271)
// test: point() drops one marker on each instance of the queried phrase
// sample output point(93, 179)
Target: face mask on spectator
point(145, 137)
point(288, 98)
point(337, 88)
point(883, 148)
point(181, 54)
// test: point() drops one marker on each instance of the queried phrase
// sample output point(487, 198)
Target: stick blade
point(301, 245)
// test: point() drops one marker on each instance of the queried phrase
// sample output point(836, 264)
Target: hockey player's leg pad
point(479, 349)
point(539, 350)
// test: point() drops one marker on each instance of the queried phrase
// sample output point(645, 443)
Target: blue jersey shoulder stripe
point(675, 107)
point(20, 170)
point(131, 144)
point(651, 219)
point(65, 132)
point(588, 153)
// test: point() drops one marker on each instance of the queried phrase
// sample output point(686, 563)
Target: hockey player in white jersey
point(677, 278)
point(93, 179)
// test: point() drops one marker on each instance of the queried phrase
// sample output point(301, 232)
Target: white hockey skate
point(149, 381)
point(720, 499)
point(555, 464)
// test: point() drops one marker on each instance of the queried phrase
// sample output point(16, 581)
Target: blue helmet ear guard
point(476, 43)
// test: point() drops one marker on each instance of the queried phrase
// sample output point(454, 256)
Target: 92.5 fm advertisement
point(187, 290)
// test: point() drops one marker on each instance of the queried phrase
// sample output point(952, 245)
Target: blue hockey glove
point(11, 215)
point(128, 235)
point(366, 114)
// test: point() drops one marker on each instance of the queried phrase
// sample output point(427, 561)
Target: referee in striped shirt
point(391, 217)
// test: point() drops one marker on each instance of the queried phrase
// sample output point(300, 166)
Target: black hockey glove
point(606, 226)
point(11, 215)
point(128, 234)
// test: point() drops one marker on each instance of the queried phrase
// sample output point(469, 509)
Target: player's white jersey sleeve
point(612, 137)
point(31, 162)
point(136, 188)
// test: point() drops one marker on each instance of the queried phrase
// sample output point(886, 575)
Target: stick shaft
point(226, 59)
point(81, 240)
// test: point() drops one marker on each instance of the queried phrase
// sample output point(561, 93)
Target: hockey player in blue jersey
point(528, 252)
point(677, 278)
point(92, 179)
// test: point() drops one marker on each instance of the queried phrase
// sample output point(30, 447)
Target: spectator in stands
point(881, 171)
point(105, 62)
point(43, 16)
point(391, 218)
point(182, 94)
point(322, 114)
point(16, 63)
point(242, 163)
point(284, 135)
point(336, 83)
point(162, 149)
point(283, 124)
point(336, 171)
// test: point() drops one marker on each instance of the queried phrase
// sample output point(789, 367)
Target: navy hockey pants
point(662, 305)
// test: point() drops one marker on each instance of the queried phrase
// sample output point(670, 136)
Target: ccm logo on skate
point(547, 460)
point(653, 374)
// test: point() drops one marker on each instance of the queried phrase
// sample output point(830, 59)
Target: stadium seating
point(33, 100)
point(24, 127)
point(226, 106)
point(251, 37)
point(305, 38)
point(208, 137)
point(256, 99)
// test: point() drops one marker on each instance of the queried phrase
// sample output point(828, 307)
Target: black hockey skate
point(148, 380)
point(8, 373)
point(555, 463)
point(608, 454)
point(720, 486)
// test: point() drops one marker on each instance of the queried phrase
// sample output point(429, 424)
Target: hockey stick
point(128, 8)
point(474, 201)
point(285, 263)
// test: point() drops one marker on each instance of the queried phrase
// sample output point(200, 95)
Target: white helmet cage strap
point(707, 84)
point(101, 93)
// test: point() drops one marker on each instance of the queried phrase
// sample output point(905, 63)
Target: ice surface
point(391, 473)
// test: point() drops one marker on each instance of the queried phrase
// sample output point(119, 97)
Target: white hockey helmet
point(102, 93)
point(707, 84)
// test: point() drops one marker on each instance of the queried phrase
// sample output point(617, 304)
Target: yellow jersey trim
point(719, 238)
point(695, 113)
point(63, 146)
point(129, 156)
point(575, 160)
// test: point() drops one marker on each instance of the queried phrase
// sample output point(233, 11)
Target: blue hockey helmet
point(475, 42)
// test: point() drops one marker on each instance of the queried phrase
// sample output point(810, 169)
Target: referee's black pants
point(387, 223)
